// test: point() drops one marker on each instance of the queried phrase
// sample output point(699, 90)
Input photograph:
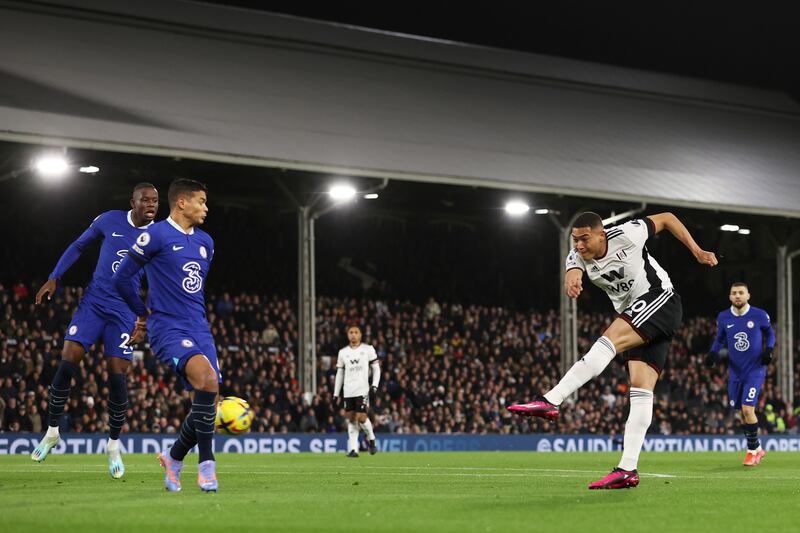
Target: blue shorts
point(174, 347)
point(94, 320)
point(744, 390)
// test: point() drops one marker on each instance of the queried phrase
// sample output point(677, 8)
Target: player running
point(617, 261)
point(352, 374)
point(176, 255)
point(747, 333)
point(101, 314)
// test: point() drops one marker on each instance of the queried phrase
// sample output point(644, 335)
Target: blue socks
point(117, 403)
point(59, 391)
point(197, 428)
point(204, 413)
point(751, 434)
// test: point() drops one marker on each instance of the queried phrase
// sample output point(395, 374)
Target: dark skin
point(144, 206)
point(188, 211)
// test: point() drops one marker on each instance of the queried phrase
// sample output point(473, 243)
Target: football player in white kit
point(649, 312)
point(352, 375)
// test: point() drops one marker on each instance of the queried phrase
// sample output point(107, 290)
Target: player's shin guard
point(590, 366)
point(59, 391)
point(751, 434)
point(117, 403)
point(204, 411)
point(367, 427)
point(187, 438)
point(636, 427)
point(352, 436)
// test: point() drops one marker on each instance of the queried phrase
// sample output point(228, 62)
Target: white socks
point(636, 427)
point(590, 366)
point(367, 427)
point(52, 431)
point(113, 445)
point(352, 436)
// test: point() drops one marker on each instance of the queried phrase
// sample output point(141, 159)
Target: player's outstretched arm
point(672, 224)
point(70, 255)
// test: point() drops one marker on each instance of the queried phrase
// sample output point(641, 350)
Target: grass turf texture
point(457, 492)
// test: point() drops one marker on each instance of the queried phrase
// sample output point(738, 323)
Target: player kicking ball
point(352, 373)
point(176, 255)
point(650, 311)
point(747, 333)
point(101, 314)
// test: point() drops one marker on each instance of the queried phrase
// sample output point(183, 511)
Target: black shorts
point(359, 404)
point(655, 316)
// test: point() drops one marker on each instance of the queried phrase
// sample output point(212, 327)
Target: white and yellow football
point(234, 416)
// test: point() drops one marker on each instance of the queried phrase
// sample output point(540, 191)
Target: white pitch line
point(419, 471)
point(477, 468)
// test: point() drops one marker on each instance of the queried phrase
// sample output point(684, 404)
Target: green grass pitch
point(459, 492)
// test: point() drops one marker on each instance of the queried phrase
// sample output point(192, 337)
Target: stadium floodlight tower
point(785, 322)
point(338, 195)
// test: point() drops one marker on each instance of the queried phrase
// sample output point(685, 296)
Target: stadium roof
point(210, 82)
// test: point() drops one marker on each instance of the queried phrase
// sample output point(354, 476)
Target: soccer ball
point(234, 416)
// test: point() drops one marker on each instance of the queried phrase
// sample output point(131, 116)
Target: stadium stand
point(447, 368)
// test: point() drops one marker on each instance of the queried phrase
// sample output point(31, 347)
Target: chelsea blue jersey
point(744, 336)
point(176, 264)
point(118, 233)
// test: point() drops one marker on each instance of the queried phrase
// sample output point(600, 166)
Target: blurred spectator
point(447, 367)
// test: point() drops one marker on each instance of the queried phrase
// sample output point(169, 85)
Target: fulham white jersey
point(355, 363)
point(627, 270)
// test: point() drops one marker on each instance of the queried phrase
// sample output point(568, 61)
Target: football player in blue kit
point(747, 333)
point(176, 255)
point(101, 314)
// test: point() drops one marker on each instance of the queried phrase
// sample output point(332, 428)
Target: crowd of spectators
point(446, 368)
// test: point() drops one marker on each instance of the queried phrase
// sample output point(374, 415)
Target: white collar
point(130, 221)
point(357, 347)
point(179, 228)
point(745, 310)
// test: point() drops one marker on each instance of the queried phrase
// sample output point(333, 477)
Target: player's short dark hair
point(183, 186)
point(740, 284)
point(143, 185)
point(588, 219)
point(351, 326)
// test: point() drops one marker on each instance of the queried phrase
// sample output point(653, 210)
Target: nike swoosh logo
point(115, 234)
point(729, 326)
point(176, 248)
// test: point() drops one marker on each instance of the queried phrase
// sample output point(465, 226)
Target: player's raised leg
point(620, 336)
point(71, 356)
